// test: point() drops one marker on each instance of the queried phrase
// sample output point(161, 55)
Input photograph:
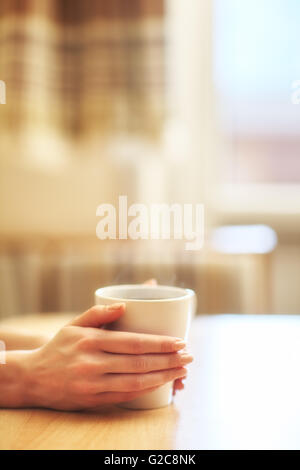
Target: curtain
point(42, 275)
point(80, 68)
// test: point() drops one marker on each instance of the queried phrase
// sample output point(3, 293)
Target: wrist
point(34, 383)
point(37, 341)
point(14, 380)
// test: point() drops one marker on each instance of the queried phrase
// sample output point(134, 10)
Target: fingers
point(120, 363)
point(121, 342)
point(138, 382)
point(98, 315)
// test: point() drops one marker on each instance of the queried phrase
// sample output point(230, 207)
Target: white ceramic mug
point(162, 310)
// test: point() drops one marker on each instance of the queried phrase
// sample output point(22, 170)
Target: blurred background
point(163, 101)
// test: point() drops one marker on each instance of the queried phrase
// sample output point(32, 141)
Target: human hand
point(85, 366)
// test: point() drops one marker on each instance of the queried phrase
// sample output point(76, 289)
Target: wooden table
point(243, 393)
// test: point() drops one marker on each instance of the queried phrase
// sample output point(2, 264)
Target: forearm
point(13, 380)
point(15, 340)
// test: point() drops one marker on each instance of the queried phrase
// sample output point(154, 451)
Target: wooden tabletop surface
point(243, 392)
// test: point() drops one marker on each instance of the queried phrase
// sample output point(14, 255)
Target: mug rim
point(186, 293)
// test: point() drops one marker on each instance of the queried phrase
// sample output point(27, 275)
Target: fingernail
point(179, 344)
point(116, 306)
point(186, 358)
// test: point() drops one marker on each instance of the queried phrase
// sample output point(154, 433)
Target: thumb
point(98, 315)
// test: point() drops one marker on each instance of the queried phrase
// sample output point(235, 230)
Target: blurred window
point(256, 64)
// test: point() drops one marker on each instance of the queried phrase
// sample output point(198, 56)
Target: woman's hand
point(85, 366)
